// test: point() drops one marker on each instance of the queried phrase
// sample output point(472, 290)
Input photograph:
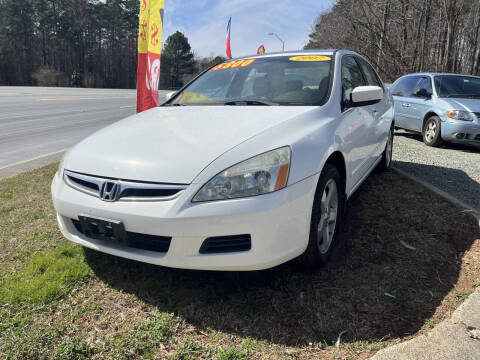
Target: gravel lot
point(453, 168)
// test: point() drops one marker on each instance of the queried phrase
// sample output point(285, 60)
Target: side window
point(351, 78)
point(404, 86)
point(424, 83)
point(370, 74)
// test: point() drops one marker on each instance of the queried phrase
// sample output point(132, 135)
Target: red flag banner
point(227, 45)
point(149, 51)
point(261, 50)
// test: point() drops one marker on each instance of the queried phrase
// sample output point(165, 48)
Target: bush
point(46, 76)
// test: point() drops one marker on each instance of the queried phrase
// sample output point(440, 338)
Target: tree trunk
point(386, 7)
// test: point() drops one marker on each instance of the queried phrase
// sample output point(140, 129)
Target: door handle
point(406, 105)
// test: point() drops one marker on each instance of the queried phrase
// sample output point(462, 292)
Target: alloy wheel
point(430, 131)
point(328, 216)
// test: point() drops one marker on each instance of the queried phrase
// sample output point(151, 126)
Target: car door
point(356, 123)
point(420, 102)
point(381, 110)
point(402, 91)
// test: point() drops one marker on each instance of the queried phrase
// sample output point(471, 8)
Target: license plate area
point(109, 230)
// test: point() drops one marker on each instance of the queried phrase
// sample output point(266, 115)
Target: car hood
point(472, 105)
point(172, 144)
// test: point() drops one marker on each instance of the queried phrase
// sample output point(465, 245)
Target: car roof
point(435, 74)
point(330, 52)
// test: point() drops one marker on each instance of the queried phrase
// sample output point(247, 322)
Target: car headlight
point(460, 115)
point(259, 175)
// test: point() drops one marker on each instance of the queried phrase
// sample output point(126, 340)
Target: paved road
point(37, 124)
point(454, 169)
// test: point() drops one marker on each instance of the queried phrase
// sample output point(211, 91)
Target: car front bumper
point(458, 131)
point(278, 224)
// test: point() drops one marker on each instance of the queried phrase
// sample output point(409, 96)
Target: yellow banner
point(150, 26)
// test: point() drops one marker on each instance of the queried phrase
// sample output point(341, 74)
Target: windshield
point(457, 86)
point(282, 80)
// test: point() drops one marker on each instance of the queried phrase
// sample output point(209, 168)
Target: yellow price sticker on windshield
point(310, 58)
point(233, 64)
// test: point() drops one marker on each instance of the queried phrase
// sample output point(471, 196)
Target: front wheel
point(432, 132)
point(326, 215)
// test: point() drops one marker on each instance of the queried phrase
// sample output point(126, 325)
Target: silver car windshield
point(457, 86)
point(296, 80)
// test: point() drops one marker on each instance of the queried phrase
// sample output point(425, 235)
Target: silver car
point(443, 107)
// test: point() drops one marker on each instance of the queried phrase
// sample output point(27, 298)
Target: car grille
point(139, 241)
point(126, 190)
point(226, 244)
point(477, 137)
point(478, 115)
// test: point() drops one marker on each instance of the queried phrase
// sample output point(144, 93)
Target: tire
point(318, 252)
point(432, 132)
point(385, 163)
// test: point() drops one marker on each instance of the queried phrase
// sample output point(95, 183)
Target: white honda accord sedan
point(248, 166)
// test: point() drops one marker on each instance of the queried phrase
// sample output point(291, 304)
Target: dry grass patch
point(132, 310)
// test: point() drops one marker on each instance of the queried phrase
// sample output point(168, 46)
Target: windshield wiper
point(249, 102)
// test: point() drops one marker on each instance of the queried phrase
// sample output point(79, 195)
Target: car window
point(424, 83)
point(457, 86)
point(283, 80)
point(370, 74)
point(351, 78)
point(404, 86)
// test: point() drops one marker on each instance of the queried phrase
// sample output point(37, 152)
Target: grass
point(48, 277)
point(462, 295)
point(192, 350)
point(59, 301)
point(141, 339)
point(73, 349)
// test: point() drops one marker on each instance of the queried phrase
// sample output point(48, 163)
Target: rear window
point(286, 80)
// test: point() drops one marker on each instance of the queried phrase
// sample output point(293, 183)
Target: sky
point(204, 23)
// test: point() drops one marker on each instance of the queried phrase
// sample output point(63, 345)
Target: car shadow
point(398, 257)
point(446, 145)
point(455, 182)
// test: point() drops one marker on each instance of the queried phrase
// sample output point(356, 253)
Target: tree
point(177, 61)
point(90, 43)
point(204, 63)
point(404, 36)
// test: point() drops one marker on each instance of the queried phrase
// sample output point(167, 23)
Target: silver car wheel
point(430, 131)
point(328, 216)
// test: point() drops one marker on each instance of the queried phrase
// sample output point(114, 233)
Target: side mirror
point(423, 93)
point(364, 95)
point(169, 95)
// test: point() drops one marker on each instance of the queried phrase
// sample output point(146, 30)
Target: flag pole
point(227, 42)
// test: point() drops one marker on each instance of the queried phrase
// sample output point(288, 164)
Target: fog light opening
point(460, 136)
